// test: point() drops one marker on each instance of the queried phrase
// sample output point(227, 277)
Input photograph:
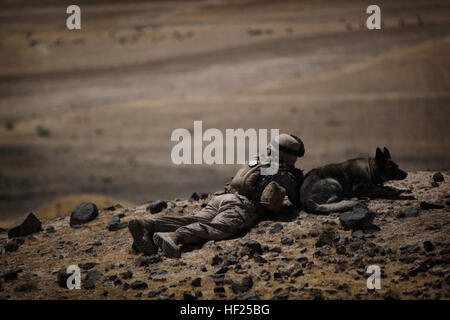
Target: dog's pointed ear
point(387, 155)
point(380, 158)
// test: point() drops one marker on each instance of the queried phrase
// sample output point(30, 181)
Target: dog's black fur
point(324, 189)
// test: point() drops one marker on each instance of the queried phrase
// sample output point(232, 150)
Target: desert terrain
point(88, 114)
point(292, 256)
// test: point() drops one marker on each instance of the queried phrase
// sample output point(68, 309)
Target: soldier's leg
point(142, 230)
point(235, 213)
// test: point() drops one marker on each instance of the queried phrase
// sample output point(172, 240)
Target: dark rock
point(230, 260)
point(156, 206)
point(326, 237)
point(220, 269)
point(27, 225)
point(194, 197)
point(139, 285)
point(114, 224)
point(83, 213)
point(359, 234)
point(88, 265)
point(216, 260)
point(10, 275)
point(286, 241)
point(251, 248)
point(340, 249)
point(438, 177)
point(146, 260)
point(249, 296)
point(424, 205)
point(126, 275)
point(218, 278)
point(276, 249)
point(187, 295)
point(153, 293)
point(411, 212)
point(276, 228)
point(277, 276)
point(219, 290)
point(124, 286)
point(410, 248)
point(407, 259)
point(371, 229)
point(360, 218)
point(13, 244)
point(316, 294)
point(259, 259)
point(197, 282)
point(93, 275)
point(428, 246)
point(391, 295)
point(343, 240)
point(88, 284)
point(242, 286)
point(313, 232)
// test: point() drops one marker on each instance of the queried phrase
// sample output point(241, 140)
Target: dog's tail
point(341, 206)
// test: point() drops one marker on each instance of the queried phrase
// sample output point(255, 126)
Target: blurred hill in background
point(91, 111)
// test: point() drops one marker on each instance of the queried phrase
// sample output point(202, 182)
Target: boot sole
point(136, 230)
point(167, 245)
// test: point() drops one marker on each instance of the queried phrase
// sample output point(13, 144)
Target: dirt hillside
point(302, 256)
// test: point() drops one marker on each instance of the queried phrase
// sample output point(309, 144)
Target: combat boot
point(142, 236)
point(168, 242)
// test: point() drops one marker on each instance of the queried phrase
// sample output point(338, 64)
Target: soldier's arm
point(293, 190)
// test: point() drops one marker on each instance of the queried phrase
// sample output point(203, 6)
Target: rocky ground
point(294, 256)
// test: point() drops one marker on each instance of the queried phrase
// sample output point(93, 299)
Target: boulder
point(83, 213)
point(139, 285)
point(438, 177)
point(27, 225)
point(197, 282)
point(156, 206)
point(187, 295)
point(10, 275)
point(276, 228)
point(242, 286)
point(251, 248)
point(360, 218)
point(13, 244)
point(114, 224)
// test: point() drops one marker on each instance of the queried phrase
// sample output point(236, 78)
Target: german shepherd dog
point(325, 189)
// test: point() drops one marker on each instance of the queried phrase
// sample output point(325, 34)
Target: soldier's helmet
point(290, 147)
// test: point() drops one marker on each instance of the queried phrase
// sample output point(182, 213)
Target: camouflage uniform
point(227, 214)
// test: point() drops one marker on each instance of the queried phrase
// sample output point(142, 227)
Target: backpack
point(249, 182)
